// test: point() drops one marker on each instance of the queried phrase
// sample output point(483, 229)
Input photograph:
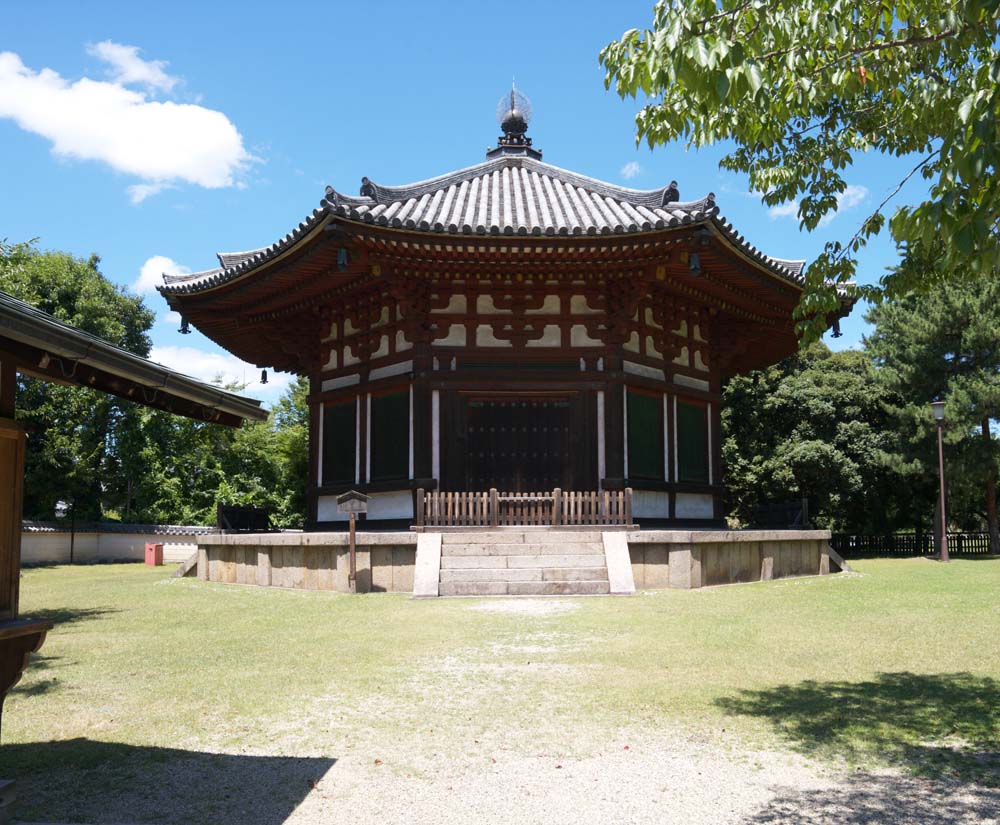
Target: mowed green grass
point(898, 664)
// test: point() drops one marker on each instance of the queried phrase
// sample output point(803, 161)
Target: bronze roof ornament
point(513, 114)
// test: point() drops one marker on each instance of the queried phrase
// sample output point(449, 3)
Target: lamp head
point(938, 407)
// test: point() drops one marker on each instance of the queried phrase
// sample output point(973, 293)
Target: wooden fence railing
point(556, 508)
point(908, 544)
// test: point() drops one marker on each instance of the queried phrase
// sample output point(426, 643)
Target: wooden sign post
point(353, 502)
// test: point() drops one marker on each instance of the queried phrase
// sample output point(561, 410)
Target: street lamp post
point(938, 407)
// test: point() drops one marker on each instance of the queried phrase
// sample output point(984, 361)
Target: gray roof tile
point(507, 195)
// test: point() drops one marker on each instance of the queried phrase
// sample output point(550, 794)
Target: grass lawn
point(897, 666)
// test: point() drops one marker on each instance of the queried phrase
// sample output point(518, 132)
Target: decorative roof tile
point(506, 195)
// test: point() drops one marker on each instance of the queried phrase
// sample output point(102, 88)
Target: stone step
point(561, 548)
point(551, 588)
point(526, 574)
point(567, 560)
point(520, 536)
point(529, 588)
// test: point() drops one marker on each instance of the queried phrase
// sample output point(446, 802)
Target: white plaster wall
point(396, 504)
point(693, 383)
point(456, 337)
point(693, 505)
point(53, 548)
point(650, 504)
point(632, 368)
point(578, 306)
point(550, 306)
point(326, 509)
point(551, 337)
point(401, 368)
point(342, 381)
point(486, 338)
point(578, 337)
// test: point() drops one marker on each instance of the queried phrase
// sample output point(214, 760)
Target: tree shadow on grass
point(938, 726)
point(80, 780)
point(39, 662)
point(874, 799)
point(67, 615)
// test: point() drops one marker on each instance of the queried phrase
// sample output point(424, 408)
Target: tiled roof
point(518, 196)
point(28, 526)
point(508, 195)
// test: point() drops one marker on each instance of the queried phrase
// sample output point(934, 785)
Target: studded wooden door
point(519, 444)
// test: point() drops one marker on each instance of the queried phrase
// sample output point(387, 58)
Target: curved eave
point(50, 349)
point(213, 278)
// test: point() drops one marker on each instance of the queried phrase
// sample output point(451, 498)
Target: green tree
point(945, 344)
point(110, 457)
point(74, 433)
point(814, 426)
point(802, 86)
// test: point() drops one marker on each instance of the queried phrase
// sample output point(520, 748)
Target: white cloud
point(630, 170)
point(851, 197)
point(138, 192)
point(152, 272)
point(784, 210)
point(160, 142)
point(210, 366)
point(213, 366)
point(127, 67)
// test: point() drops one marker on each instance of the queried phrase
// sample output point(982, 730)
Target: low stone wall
point(701, 558)
point(385, 561)
point(54, 547)
point(310, 561)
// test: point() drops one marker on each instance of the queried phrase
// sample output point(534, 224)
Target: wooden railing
point(556, 508)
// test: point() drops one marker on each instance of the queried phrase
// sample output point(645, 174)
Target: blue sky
point(159, 134)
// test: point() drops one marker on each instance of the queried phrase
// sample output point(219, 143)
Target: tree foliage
point(73, 431)
point(814, 426)
point(802, 86)
point(945, 344)
point(853, 431)
point(111, 458)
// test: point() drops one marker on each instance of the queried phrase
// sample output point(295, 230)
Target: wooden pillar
point(422, 429)
point(11, 489)
point(715, 447)
point(614, 420)
point(315, 455)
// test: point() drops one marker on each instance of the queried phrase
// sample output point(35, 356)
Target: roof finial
point(513, 115)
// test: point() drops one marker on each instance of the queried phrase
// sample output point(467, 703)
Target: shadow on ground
point(67, 615)
point(939, 725)
point(39, 663)
point(867, 799)
point(80, 780)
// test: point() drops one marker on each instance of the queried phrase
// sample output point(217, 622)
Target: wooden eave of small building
point(44, 347)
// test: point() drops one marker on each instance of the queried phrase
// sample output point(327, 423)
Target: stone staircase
point(523, 563)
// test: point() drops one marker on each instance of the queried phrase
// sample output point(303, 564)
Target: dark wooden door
point(519, 444)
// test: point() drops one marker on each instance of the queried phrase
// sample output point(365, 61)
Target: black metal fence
point(908, 545)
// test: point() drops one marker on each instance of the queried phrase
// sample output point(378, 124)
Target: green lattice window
point(692, 442)
point(645, 435)
point(339, 442)
point(390, 436)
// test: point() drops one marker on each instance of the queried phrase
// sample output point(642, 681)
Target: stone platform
point(516, 560)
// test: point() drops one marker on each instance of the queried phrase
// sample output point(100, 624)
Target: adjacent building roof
point(48, 348)
point(510, 195)
point(28, 526)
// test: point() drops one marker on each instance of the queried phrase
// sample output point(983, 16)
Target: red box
point(154, 554)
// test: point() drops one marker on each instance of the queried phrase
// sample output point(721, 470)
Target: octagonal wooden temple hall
point(508, 354)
